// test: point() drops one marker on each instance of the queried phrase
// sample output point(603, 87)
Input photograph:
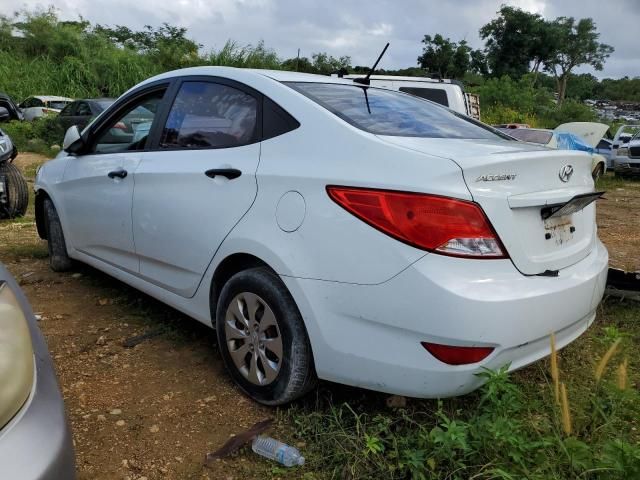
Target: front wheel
point(17, 192)
point(59, 261)
point(262, 338)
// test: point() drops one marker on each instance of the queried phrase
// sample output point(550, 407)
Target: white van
point(449, 93)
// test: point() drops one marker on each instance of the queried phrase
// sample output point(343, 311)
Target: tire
point(252, 358)
point(597, 173)
point(17, 191)
point(59, 261)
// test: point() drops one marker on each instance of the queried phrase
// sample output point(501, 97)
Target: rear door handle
point(120, 173)
point(230, 173)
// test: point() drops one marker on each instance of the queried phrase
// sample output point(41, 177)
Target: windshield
point(387, 112)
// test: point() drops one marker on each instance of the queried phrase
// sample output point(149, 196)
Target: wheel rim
point(253, 338)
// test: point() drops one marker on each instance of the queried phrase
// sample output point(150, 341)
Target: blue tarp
point(571, 141)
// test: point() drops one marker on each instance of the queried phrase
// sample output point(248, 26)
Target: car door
point(97, 186)
point(197, 182)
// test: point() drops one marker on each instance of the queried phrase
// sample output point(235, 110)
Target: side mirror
point(4, 114)
point(72, 142)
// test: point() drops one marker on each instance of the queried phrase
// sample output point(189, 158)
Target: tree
point(576, 44)
point(516, 42)
point(446, 58)
point(479, 63)
point(326, 64)
point(167, 45)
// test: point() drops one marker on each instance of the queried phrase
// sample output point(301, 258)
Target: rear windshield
point(57, 104)
point(532, 136)
point(387, 112)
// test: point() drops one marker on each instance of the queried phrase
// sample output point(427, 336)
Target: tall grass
point(109, 73)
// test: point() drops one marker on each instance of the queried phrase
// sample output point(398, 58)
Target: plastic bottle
point(278, 451)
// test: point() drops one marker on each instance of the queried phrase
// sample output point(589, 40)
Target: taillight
point(453, 355)
point(438, 224)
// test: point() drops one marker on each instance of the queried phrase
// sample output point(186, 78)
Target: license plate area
point(574, 205)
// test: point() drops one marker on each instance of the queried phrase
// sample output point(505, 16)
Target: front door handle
point(120, 173)
point(230, 173)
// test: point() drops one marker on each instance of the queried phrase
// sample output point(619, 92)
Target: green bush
point(36, 136)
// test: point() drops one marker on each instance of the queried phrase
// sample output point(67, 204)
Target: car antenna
point(365, 80)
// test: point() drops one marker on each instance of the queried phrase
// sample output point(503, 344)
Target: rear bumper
point(36, 444)
point(369, 335)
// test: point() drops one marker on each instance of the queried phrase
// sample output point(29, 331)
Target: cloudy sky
point(358, 28)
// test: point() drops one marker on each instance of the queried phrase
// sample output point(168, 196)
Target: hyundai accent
point(329, 229)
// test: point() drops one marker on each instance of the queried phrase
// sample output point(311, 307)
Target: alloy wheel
point(253, 338)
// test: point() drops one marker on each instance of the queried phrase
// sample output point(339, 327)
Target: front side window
point(210, 115)
point(68, 110)
point(387, 112)
point(32, 102)
point(131, 129)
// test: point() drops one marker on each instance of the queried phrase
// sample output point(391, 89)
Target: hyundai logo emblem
point(565, 173)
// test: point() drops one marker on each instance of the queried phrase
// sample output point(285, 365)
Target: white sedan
point(329, 229)
point(41, 105)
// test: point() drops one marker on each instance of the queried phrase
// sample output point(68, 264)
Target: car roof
point(248, 73)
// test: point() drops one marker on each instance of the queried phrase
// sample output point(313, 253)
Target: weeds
point(512, 428)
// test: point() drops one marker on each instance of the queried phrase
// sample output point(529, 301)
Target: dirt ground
point(619, 222)
point(153, 411)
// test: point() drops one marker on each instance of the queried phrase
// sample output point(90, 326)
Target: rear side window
point(210, 115)
point(387, 112)
point(437, 95)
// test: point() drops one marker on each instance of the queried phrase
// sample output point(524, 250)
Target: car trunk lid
point(514, 182)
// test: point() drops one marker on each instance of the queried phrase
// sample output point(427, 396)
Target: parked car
point(14, 191)
point(627, 161)
point(449, 93)
point(11, 110)
point(330, 229)
point(35, 439)
point(619, 152)
point(81, 112)
point(605, 148)
point(564, 140)
point(40, 105)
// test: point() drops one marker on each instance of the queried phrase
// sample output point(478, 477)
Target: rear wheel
point(17, 194)
point(59, 261)
point(262, 338)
